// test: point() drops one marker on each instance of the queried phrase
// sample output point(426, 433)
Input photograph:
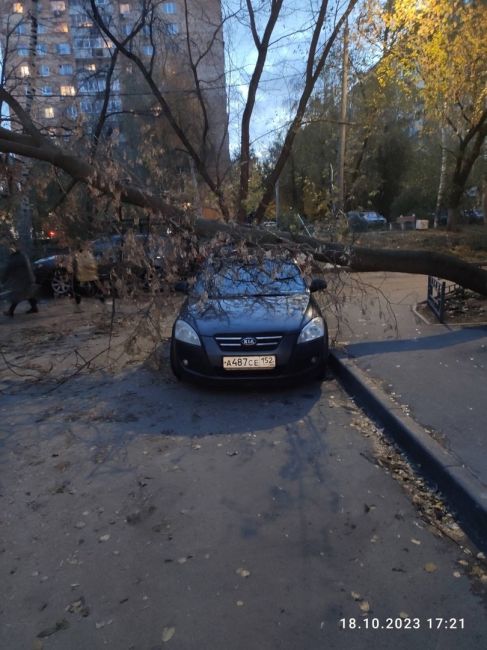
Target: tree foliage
point(437, 50)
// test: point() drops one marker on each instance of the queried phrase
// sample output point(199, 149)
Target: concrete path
point(435, 373)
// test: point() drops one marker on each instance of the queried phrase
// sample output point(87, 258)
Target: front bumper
point(293, 361)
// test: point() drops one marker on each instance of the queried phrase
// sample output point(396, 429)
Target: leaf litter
point(428, 501)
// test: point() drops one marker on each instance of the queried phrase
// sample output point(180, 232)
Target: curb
point(464, 492)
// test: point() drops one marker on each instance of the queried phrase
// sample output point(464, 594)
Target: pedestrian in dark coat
point(19, 278)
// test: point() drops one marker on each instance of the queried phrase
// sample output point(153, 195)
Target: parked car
point(374, 220)
point(246, 320)
point(361, 221)
point(142, 257)
point(356, 223)
point(474, 216)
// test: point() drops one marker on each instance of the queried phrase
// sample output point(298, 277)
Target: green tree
point(438, 52)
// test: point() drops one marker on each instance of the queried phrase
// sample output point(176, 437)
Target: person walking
point(85, 270)
point(19, 279)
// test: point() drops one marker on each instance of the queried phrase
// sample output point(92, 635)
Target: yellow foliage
point(440, 47)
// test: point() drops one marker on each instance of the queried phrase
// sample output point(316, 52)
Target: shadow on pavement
point(435, 342)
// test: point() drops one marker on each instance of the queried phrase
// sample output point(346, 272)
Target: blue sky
point(282, 76)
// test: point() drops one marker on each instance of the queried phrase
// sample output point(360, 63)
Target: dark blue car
point(250, 321)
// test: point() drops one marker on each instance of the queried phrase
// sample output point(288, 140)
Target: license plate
point(249, 363)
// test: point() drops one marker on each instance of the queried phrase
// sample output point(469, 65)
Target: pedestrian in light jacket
point(19, 279)
point(85, 270)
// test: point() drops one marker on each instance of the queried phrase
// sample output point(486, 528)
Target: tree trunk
point(448, 267)
point(440, 198)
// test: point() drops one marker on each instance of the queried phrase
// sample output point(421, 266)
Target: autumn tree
point(437, 50)
point(105, 175)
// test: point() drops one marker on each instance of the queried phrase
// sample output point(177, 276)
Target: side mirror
point(182, 286)
point(317, 284)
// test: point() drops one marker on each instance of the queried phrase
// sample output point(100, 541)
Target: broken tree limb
point(360, 259)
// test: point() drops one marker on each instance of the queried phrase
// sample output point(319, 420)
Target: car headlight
point(184, 332)
point(315, 329)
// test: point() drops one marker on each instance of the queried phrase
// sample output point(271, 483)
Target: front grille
point(264, 342)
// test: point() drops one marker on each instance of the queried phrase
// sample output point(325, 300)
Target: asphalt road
point(138, 513)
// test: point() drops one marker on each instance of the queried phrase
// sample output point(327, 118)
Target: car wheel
point(61, 283)
point(174, 364)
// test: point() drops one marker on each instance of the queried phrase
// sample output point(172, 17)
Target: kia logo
point(249, 342)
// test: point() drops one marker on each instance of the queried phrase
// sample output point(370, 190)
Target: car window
point(232, 280)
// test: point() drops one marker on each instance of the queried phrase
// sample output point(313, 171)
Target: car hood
point(247, 314)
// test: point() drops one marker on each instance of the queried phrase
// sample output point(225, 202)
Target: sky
point(283, 73)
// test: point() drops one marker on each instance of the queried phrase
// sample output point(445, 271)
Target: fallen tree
point(359, 259)
point(33, 144)
point(103, 178)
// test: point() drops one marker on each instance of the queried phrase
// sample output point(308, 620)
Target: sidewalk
point(432, 378)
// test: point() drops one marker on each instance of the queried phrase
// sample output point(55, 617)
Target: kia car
point(250, 321)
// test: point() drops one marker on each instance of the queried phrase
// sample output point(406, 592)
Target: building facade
point(57, 63)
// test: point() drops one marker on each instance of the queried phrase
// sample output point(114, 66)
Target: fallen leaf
point(457, 574)
point(168, 633)
point(416, 541)
point(240, 603)
point(104, 538)
point(355, 595)
point(430, 567)
point(364, 606)
point(403, 615)
point(244, 573)
point(103, 623)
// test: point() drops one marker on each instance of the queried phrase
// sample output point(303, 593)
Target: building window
point(147, 50)
point(41, 49)
point(68, 91)
point(46, 91)
point(21, 28)
point(48, 112)
point(44, 70)
point(72, 112)
point(58, 6)
point(86, 106)
point(18, 8)
point(169, 8)
point(172, 28)
point(63, 48)
point(23, 51)
point(66, 68)
point(41, 29)
point(24, 70)
point(124, 8)
point(91, 67)
point(115, 104)
point(81, 20)
point(61, 27)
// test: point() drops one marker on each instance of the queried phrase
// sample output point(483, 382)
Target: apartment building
point(56, 61)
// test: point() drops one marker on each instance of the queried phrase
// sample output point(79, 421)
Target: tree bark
point(470, 276)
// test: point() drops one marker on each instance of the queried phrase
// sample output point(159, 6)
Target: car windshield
point(271, 278)
point(370, 216)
